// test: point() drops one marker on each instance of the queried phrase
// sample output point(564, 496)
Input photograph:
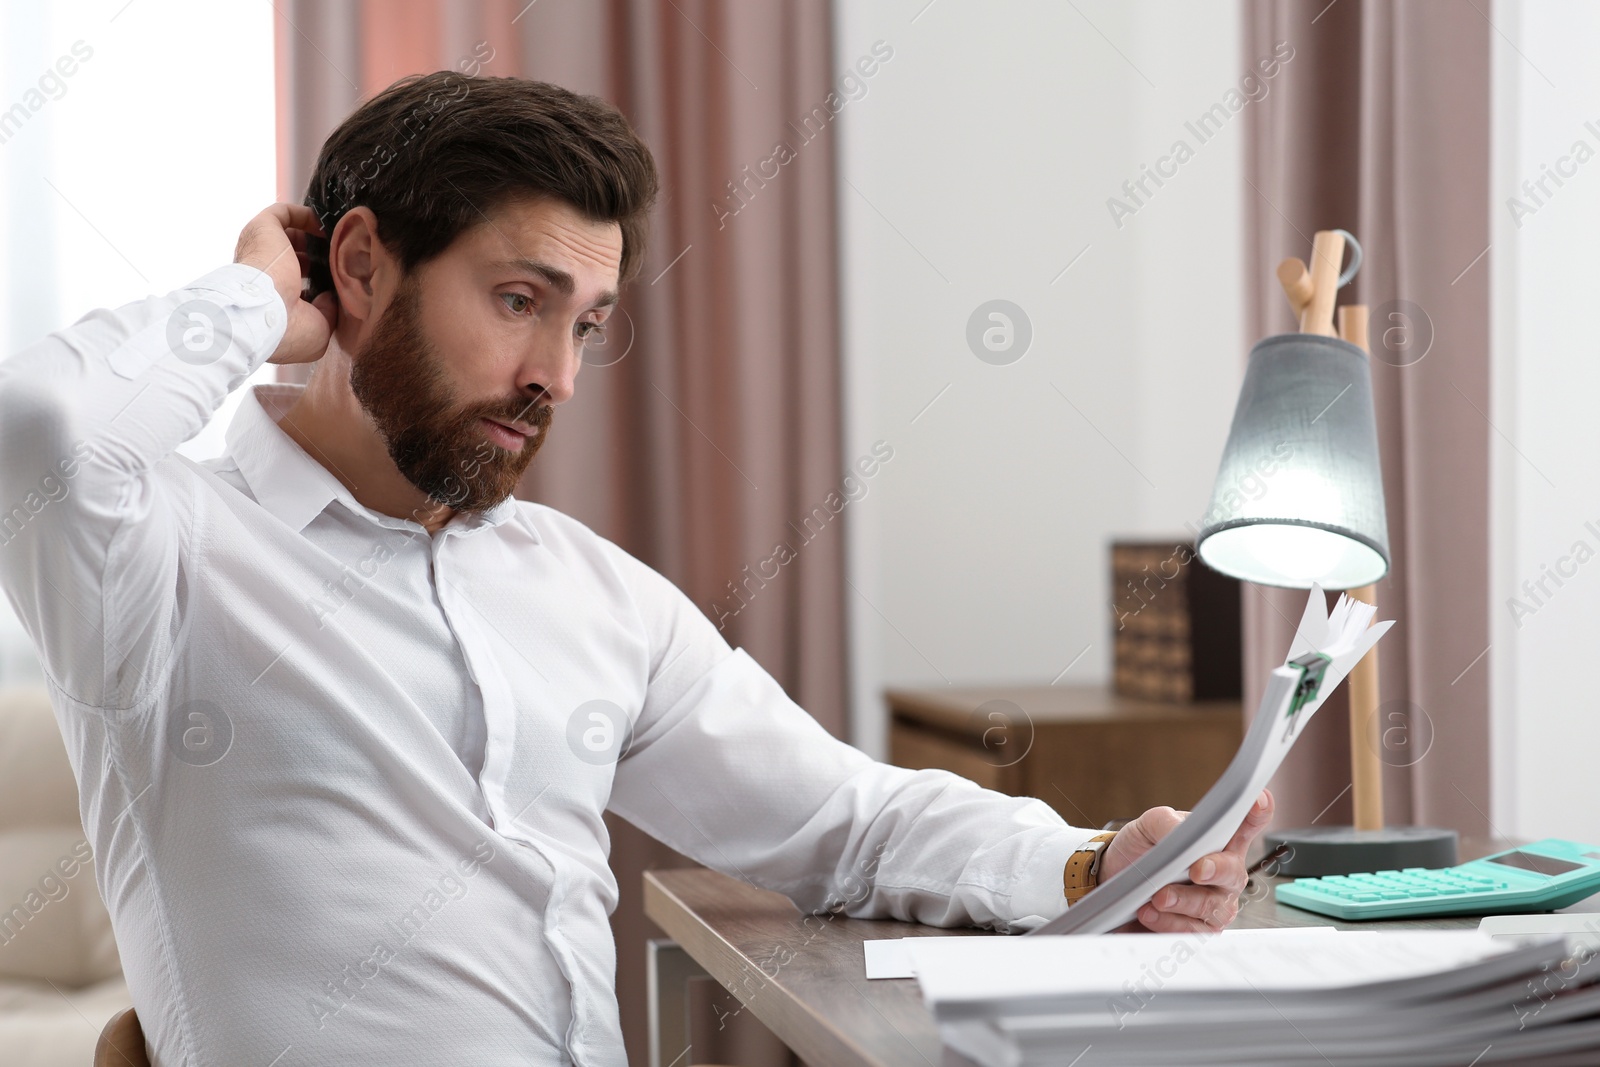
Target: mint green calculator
point(1543, 876)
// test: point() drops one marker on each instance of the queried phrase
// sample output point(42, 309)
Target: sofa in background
point(60, 978)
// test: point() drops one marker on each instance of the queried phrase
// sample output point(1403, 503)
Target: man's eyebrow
point(558, 279)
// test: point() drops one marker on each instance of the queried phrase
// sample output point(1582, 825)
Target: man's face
point(464, 365)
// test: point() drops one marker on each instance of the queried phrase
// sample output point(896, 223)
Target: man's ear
point(356, 259)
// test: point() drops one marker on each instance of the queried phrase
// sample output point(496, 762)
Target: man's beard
point(438, 445)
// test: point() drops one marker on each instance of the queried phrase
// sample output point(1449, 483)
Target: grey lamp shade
point(1299, 492)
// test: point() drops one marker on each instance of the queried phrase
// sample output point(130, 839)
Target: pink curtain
point(711, 420)
point(1379, 124)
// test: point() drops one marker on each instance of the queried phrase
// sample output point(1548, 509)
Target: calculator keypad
point(1413, 883)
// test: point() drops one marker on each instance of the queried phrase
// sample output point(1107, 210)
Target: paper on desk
point(976, 971)
point(1581, 929)
point(887, 958)
point(891, 957)
point(1344, 635)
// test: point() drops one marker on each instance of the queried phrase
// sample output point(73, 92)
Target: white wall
point(976, 167)
point(131, 175)
point(1546, 466)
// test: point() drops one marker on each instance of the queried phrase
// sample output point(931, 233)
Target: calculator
point(1543, 876)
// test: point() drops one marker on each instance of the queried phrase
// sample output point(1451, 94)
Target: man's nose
point(551, 369)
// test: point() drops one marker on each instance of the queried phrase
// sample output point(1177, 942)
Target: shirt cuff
point(262, 311)
point(1040, 894)
point(230, 318)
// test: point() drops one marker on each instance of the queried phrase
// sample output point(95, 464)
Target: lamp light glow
point(1299, 493)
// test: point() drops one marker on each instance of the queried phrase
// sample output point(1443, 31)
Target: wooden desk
point(803, 975)
point(1092, 755)
point(800, 975)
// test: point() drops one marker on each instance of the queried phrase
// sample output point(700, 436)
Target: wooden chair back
point(121, 1043)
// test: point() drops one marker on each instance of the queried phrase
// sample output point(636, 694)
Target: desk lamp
point(1299, 501)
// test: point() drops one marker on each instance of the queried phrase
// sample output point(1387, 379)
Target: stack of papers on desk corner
point(1315, 997)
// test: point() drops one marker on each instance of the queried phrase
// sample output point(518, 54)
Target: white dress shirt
point(344, 779)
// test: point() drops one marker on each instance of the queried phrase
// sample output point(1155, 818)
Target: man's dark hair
point(434, 154)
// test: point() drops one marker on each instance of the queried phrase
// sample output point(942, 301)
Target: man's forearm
point(138, 381)
point(85, 415)
point(739, 777)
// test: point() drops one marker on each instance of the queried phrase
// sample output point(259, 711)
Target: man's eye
point(587, 330)
point(525, 306)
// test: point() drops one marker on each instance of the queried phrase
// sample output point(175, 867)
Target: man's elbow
point(43, 446)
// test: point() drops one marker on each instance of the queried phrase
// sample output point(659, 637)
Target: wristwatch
point(1083, 867)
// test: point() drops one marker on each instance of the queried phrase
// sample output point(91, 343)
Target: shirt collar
point(296, 488)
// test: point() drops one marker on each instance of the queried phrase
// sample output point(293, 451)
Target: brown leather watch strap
point(1077, 879)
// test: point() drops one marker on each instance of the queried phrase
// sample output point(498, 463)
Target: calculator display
point(1528, 861)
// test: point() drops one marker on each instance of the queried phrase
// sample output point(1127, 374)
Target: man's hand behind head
point(274, 242)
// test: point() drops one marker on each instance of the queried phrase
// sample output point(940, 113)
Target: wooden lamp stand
point(1368, 845)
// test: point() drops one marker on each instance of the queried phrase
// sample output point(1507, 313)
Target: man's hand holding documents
point(1209, 901)
point(1169, 851)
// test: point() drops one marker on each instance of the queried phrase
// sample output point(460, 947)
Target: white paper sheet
point(890, 958)
point(1581, 929)
point(998, 969)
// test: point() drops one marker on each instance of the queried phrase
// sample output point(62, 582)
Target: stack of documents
point(1315, 996)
